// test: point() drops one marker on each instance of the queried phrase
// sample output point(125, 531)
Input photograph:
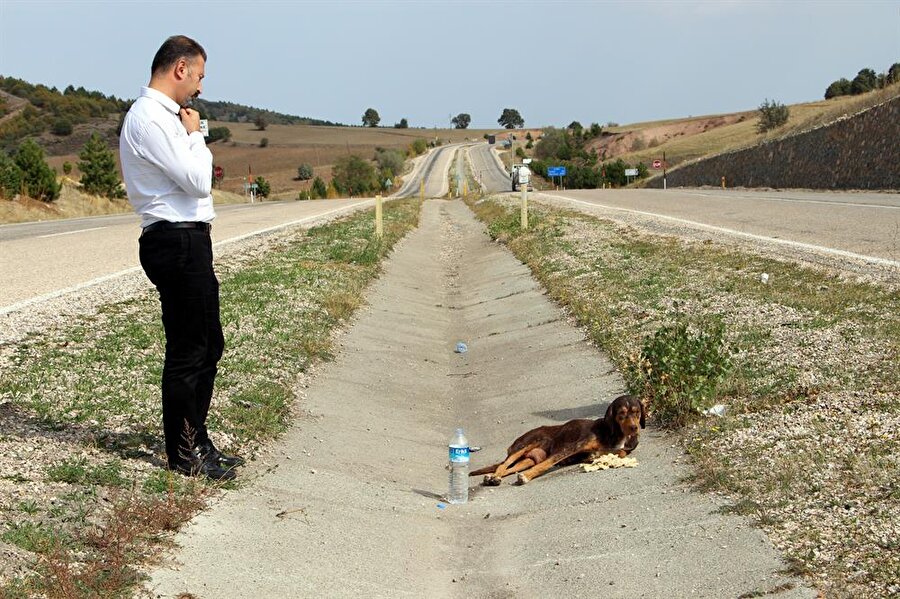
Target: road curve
point(487, 168)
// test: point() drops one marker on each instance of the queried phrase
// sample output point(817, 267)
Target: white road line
point(54, 294)
point(69, 232)
point(796, 244)
point(789, 200)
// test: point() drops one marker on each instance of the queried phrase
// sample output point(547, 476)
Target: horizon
point(695, 58)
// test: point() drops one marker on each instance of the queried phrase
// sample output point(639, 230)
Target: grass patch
point(815, 363)
point(94, 383)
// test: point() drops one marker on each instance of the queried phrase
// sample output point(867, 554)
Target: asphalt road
point(433, 170)
point(861, 224)
point(488, 169)
point(44, 259)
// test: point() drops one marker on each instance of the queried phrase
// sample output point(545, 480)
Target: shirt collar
point(167, 102)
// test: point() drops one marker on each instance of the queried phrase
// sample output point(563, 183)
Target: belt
point(164, 225)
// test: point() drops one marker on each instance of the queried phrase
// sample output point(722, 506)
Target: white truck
point(520, 175)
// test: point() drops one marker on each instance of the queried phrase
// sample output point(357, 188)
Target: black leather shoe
point(208, 451)
point(205, 467)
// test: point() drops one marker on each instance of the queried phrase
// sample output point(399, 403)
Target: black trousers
point(179, 263)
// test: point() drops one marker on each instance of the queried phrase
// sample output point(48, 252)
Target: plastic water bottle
point(459, 468)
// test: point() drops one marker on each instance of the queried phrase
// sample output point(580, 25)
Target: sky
point(426, 61)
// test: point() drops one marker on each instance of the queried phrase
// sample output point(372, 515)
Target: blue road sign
point(556, 171)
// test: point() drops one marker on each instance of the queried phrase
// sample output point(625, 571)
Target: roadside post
point(664, 170)
point(422, 189)
point(723, 182)
point(525, 207)
point(379, 231)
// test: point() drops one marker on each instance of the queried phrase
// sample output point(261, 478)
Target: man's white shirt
point(167, 172)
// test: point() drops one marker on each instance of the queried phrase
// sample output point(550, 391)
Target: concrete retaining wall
point(861, 151)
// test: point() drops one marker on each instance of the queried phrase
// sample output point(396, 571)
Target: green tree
point(305, 172)
point(99, 175)
point(403, 124)
point(67, 168)
point(575, 126)
point(38, 179)
point(370, 118)
point(10, 176)
point(219, 133)
point(261, 122)
point(419, 146)
point(866, 80)
point(841, 87)
point(893, 74)
point(390, 162)
point(263, 188)
point(772, 115)
point(461, 121)
point(318, 189)
point(352, 175)
point(511, 119)
point(264, 142)
point(596, 130)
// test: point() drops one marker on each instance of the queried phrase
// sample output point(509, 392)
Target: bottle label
point(459, 454)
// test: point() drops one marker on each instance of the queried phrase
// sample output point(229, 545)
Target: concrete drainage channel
point(347, 504)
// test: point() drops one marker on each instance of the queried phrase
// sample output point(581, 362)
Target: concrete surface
point(347, 504)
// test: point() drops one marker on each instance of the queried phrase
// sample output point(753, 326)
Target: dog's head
point(628, 413)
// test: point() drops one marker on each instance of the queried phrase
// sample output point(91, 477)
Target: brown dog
point(538, 450)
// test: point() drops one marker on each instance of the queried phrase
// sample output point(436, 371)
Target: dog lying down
point(581, 440)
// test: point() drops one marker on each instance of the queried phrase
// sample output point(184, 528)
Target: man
point(167, 170)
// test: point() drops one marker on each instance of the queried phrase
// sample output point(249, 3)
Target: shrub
point(389, 160)
point(304, 195)
point(520, 153)
point(67, 167)
point(318, 189)
point(865, 81)
point(10, 176)
point(219, 133)
point(38, 179)
point(354, 176)
point(264, 142)
point(61, 127)
point(403, 124)
point(638, 144)
point(772, 115)
point(260, 123)
point(679, 368)
point(263, 187)
point(99, 174)
point(419, 146)
point(305, 172)
point(529, 145)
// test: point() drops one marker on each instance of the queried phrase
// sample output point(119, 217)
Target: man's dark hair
point(174, 49)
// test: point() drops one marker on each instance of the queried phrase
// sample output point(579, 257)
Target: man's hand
point(190, 119)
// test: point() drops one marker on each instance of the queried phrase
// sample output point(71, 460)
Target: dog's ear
point(610, 414)
point(643, 414)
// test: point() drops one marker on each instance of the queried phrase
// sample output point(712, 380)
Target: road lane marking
point(789, 200)
point(61, 292)
point(796, 244)
point(70, 232)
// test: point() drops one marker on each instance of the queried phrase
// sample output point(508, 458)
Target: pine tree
point(98, 167)
point(38, 179)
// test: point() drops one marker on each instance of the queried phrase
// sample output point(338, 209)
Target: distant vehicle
point(520, 175)
point(492, 139)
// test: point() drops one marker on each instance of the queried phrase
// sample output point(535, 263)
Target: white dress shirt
point(168, 173)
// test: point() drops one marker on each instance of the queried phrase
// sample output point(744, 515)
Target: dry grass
point(73, 203)
point(805, 116)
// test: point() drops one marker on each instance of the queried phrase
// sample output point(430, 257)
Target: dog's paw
point(521, 479)
point(491, 481)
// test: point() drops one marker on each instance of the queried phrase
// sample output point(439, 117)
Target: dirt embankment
point(610, 145)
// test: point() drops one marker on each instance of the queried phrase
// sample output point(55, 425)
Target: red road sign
point(657, 164)
point(219, 172)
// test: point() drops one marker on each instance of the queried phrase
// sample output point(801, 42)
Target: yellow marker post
point(525, 207)
point(723, 182)
point(422, 190)
point(379, 232)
